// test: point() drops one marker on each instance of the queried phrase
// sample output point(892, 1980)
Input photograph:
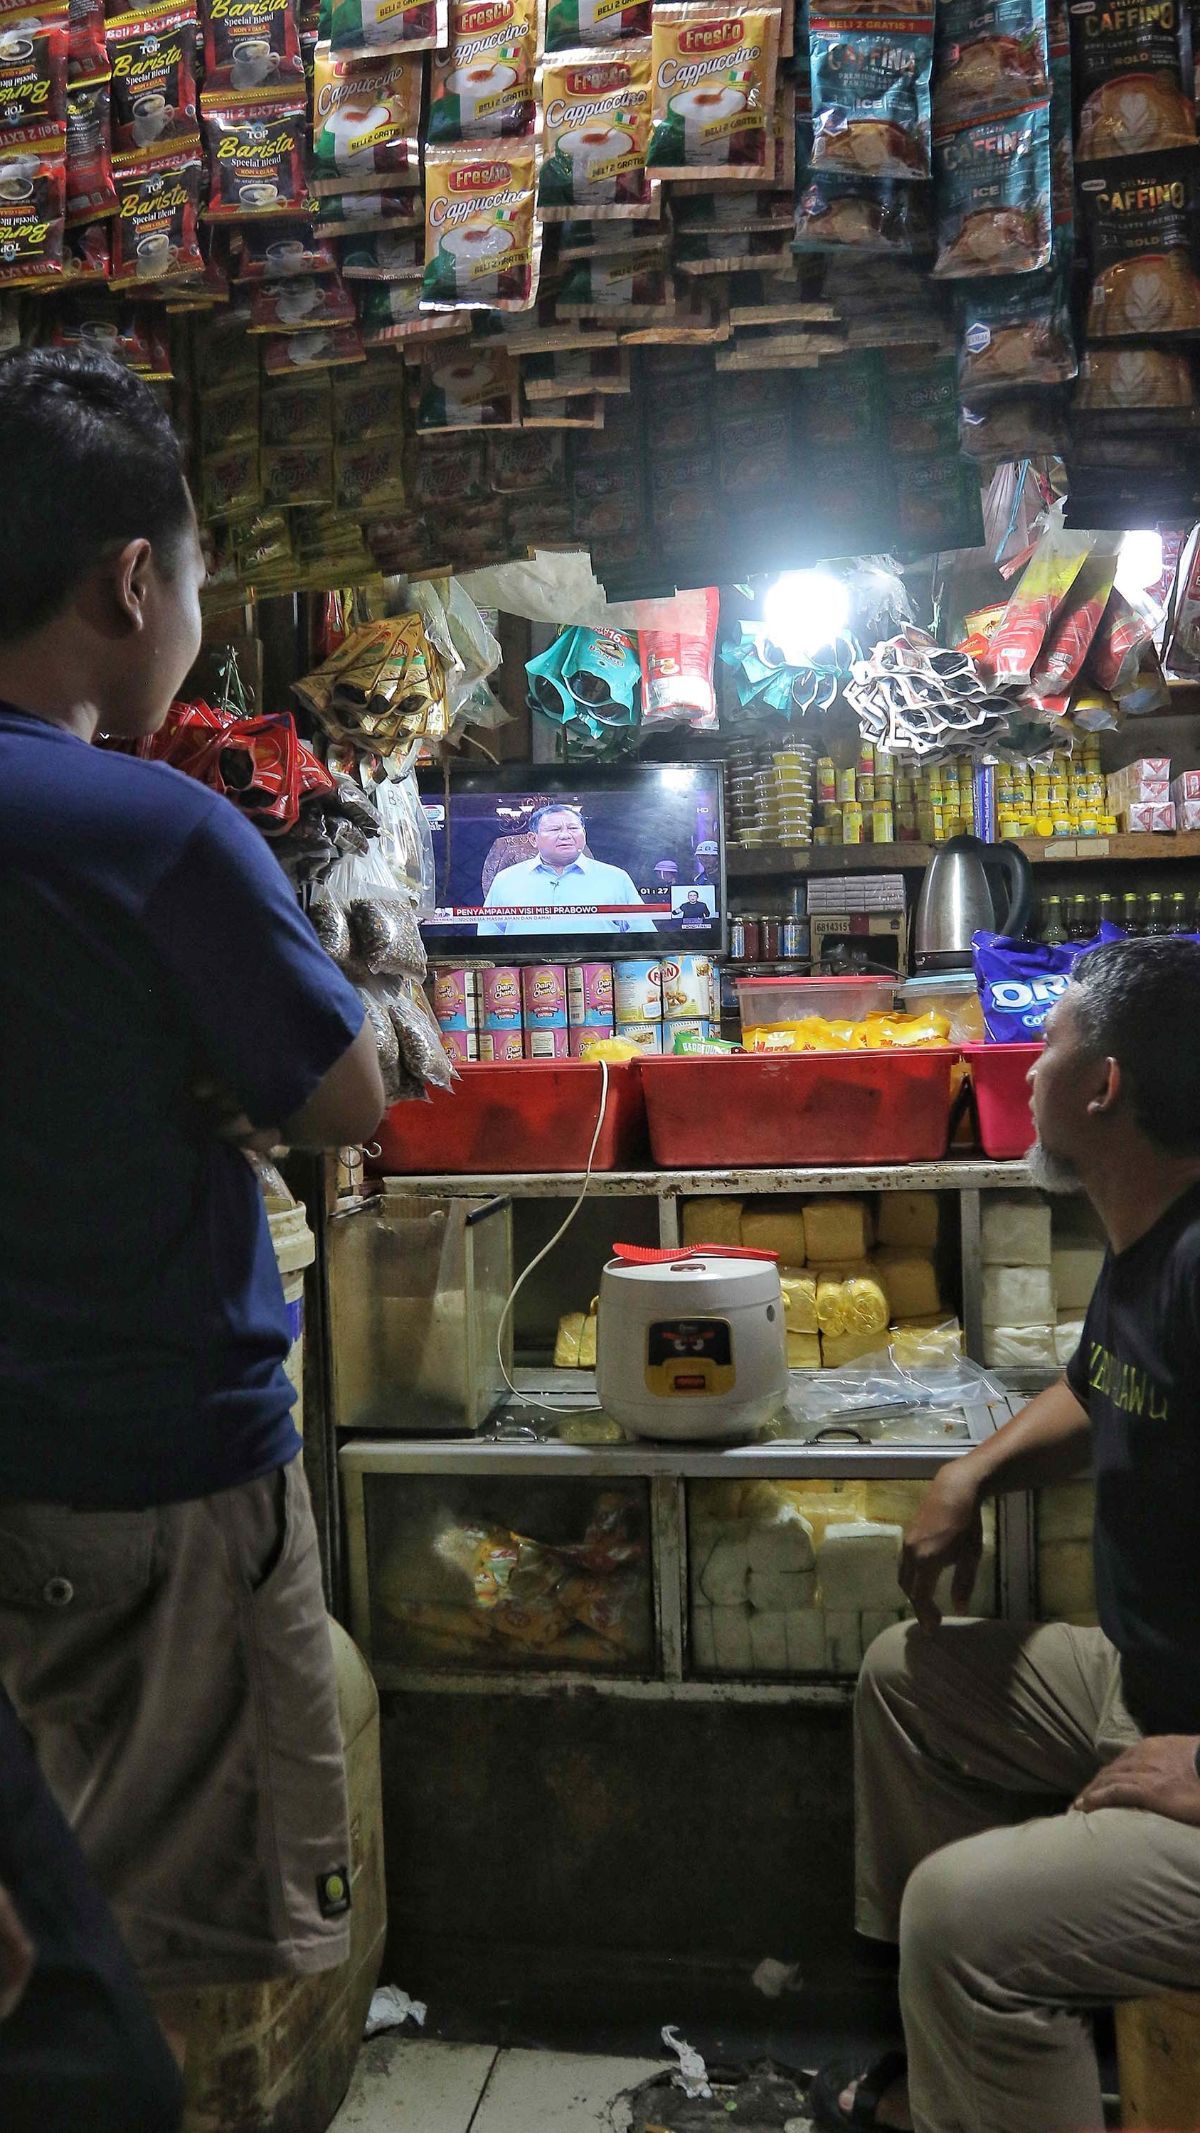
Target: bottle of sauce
point(1054, 933)
point(1081, 923)
point(1106, 910)
point(1155, 928)
point(1179, 920)
point(1131, 914)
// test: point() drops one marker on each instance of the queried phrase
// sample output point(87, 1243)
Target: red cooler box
point(767, 1110)
point(1000, 1079)
point(539, 1114)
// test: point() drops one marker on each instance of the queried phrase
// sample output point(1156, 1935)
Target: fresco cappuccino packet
point(482, 233)
point(713, 89)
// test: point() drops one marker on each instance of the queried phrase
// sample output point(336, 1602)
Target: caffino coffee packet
point(366, 121)
point(482, 85)
point(251, 49)
point(871, 95)
point(836, 212)
point(1140, 214)
point(1132, 70)
point(594, 110)
point(571, 24)
point(367, 29)
point(991, 55)
point(156, 235)
point(256, 160)
point(482, 234)
point(993, 194)
point(713, 89)
point(154, 103)
point(1015, 332)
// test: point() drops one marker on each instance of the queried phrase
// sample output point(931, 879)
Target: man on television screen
point(560, 875)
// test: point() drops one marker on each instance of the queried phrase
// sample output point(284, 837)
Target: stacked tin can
point(551, 1010)
point(659, 1000)
point(455, 995)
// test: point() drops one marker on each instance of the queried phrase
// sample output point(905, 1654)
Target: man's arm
point(1046, 1442)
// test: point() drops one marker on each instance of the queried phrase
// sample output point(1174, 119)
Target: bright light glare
point(1139, 563)
point(803, 611)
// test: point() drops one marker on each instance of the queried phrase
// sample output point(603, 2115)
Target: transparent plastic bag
point(381, 917)
point(877, 1387)
point(407, 841)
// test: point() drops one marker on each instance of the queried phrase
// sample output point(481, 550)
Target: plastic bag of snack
point(594, 112)
point(714, 88)
point(836, 212)
point(482, 231)
point(1140, 216)
point(572, 23)
point(1069, 639)
point(676, 656)
point(993, 194)
point(91, 193)
point(366, 120)
point(870, 95)
point(1134, 86)
point(153, 59)
point(482, 85)
point(419, 1037)
point(256, 155)
point(369, 28)
point(156, 234)
point(251, 49)
point(1116, 651)
point(1044, 585)
point(1020, 981)
point(992, 55)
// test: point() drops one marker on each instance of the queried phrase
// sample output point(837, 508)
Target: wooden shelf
point(748, 862)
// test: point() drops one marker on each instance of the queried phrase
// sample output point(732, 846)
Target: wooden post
point(1158, 2061)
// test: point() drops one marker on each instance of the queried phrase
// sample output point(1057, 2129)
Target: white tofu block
point(704, 1644)
point(843, 1641)
point(1016, 1230)
point(1018, 1296)
point(725, 1573)
point(909, 1280)
point(799, 1299)
point(782, 1591)
point(784, 1546)
point(1067, 1335)
point(806, 1641)
point(1066, 1578)
point(1076, 1272)
point(874, 1622)
point(857, 1565)
point(1019, 1347)
point(836, 1229)
point(1066, 1512)
point(909, 1219)
point(768, 1643)
point(776, 1226)
point(731, 1640)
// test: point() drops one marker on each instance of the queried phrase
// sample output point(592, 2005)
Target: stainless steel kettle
point(956, 901)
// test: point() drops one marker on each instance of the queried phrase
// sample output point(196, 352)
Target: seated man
point(1029, 1796)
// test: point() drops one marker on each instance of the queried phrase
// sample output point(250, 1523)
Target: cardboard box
point(1187, 814)
point(857, 940)
point(1148, 815)
point(1186, 785)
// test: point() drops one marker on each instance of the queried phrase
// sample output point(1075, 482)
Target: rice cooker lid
point(694, 1281)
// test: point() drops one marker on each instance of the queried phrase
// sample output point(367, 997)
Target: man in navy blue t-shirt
point(162, 1630)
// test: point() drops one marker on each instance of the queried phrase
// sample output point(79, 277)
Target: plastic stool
point(1158, 2062)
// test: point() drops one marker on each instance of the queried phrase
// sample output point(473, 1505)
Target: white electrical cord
point(546, 1250)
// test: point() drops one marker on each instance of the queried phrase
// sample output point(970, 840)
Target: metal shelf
point(964, 1174)
point(745, 863)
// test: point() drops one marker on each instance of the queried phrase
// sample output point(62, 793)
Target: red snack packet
point(87, 56)
point(256, 155)
point(156, 235)
point(154, 105)
point(1045, 583)
point(1116, 652)
point(251, 50)
point(1068, 641)
point(279, 251)
point(33, 192)
point(87, 255)
point(91, 193)
point(33, 87)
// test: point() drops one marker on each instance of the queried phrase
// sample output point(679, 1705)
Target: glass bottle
point(1156, 920)
point(1106, 910)
point(1178, 914)
point(1053, 930)
point(1081, 923)
point(1131, 913)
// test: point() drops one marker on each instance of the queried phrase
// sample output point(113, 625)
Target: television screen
point(557, 863)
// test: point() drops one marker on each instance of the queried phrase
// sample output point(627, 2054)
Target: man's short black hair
point(89, 461)
point(554, 807)
point(1138, 1002)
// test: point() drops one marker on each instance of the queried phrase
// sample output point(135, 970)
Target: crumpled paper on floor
point(391, 2009)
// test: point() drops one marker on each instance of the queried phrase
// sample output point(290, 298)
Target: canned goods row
point(768, 939)
point(546, 1010)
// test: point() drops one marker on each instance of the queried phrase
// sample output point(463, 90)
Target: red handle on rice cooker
point(643, 1255)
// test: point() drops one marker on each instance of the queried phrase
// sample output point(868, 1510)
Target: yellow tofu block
point(908, 1219)
point(838, 1349)
point(567, 1341)
point(776, 1226)
point(799, 1299)
point(587, 1342)
point(831, 1304)
point(837, 1229)
point(914, 1345)
point(866, 1306)
point(803, 1351)
point(893, 1503)
point(714, 1220)
point(909, 1280)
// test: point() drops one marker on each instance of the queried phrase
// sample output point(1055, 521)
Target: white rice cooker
point(691, 1344)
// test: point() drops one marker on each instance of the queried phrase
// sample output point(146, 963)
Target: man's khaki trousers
point(1015, 1913)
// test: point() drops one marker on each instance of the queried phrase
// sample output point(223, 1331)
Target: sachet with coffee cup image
point(390, 205)
point(277, 252)
point(156, 227)
point(256, 159)
point(33, 87)
point(482, 231)
point(366, 121)
point(713, 88)
point(299, 304)
point(87, 255)
point(251, 49)
point(317, 348)
point(152, 54)
point(483, 83)
point(572, 25)
point(32, 218)
point(594, 120)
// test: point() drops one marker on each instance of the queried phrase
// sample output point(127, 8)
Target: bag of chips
point(251, 49)
point(153, 58)
point(156, 234)
point(714, 88)
point(483, 83)
point(1134, 87)
point(992, 55)
point(256, 160)
point(1020, 981)
point(993, 194)
point(870, 95)
point(366, 121)
point(1140, 214)
point(594, 110)
point(482, 233)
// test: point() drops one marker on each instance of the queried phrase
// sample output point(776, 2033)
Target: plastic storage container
point(764, 1001)
point(1000, 1079)
point(953, 994)
point(764, 1110)
point(536, 1115)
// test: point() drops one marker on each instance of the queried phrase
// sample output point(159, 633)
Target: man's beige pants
point(1015, 1913)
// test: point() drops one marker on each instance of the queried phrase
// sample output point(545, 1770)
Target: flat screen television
point(604, 860)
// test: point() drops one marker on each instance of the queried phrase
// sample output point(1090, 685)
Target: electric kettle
point(956, 901)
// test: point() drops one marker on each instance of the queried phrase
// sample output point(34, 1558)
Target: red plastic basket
point(1000, 1080)
point(539, 1114)
point(804, 1108)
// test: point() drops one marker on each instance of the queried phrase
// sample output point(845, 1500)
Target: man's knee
point(956, 1915)
point(886, 1665)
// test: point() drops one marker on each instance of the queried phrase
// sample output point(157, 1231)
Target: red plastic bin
point(536, 1115)
point(765, 1110)
point(1000, 1080)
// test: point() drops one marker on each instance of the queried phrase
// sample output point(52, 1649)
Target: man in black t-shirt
point(1029, 1795)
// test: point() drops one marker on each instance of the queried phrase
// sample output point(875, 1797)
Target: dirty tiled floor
point(421, 2086)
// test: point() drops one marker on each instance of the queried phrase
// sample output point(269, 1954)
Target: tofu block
point(866, 1305)
point(803, 1351)
point(893, 1502)
point(839, 1349)
point(1066, 1512)
point(567, 1340)
point(874, 1622)
point(776, 1226)
point(1018, 1296)
point(915, 1344)
point(908, 1219)
point(857, 1565)
point(828, 1503)
point(837, 1229)
point(1019, 1347)
point(587, 1342)
point(843, 1641)
point(799, 1299)
point(805, 1641)
point(713, 1220)
point(1067, 1335)
point(783, 1546)
point(909, 1281)
point(704, 1647)
point(768, 1643)
point(782, 1591)
point(1016, 1229)
point(1076, 1272)
point(731, 1640)
point(1066, 1578)
point(726, 1570)
point(831, 1304)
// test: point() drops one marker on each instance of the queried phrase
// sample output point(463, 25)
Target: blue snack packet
point(1019, 981)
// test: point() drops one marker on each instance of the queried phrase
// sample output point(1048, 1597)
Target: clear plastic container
point(955, 995)
point(764, 1001)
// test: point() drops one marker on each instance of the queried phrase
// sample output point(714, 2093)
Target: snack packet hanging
point(993, 194)
point(572, 23)
point(1015, 332)
point(836, 212)
point(156, 231)
point(992, 55)
point(871, 95)
point(1140, 215)
point(1012, 652)
point(33, 88)
point(482, 85)
point(594, 113)
point(676, 656)
point(366, 121)
point(153, 59)
point(256, 160)
point(87, 58)
point(251, 49)
point(1069, 640)
point(366, 29)
point(87, 255)
point(91, 193)
point(32, 219)
point(713, 89)
point(482, 234)
point(1134, 86)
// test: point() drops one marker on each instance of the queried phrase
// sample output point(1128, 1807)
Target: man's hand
point(948, 1528)
point(225, 1118)
point(1158, 1776)
point(16, 1956)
